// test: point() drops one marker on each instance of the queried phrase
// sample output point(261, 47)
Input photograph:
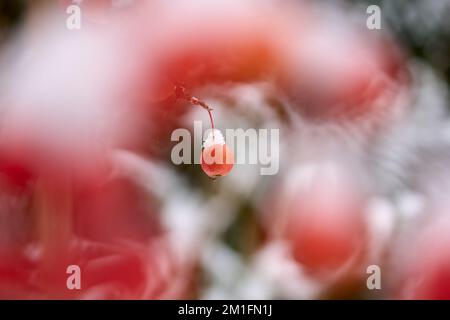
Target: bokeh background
point(86, 175)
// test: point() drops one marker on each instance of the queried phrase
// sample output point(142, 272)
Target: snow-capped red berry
point(217, 159)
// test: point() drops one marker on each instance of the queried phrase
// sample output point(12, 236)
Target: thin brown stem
point(181, 93)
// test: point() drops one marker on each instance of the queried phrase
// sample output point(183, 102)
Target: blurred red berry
point(321, 217)
point(426, 263)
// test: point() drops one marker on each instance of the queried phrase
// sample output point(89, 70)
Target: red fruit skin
point(320, 216)
point(217, 160)
point(347, 84)
point(319, 246)
point(113, 211)
point(427, 265)
point(324, 237)
point(14, 275)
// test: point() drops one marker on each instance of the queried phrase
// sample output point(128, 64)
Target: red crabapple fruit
point(217, 159)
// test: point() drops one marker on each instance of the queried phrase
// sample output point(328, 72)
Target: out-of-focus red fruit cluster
point(60, 202)
point(329, 73)
point(61, 205)
point(324, 73)
point(108, 271)
point(105, 228)
point(65, 173)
